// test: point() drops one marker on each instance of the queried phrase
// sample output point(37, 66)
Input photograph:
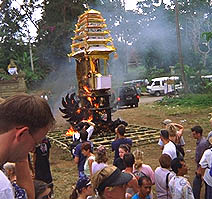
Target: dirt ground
point(147, 114)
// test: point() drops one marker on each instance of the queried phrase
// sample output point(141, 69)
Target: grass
point(191, 100)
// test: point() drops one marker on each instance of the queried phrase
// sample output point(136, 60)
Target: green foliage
point(207, 35)
point(24, 63)
point(155, 72)
point(192, 100)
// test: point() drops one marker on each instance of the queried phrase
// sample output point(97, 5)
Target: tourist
point(179, 186)
point(110, 183)
point(79, 158)
point(206, 168)
point(84, 125)
point(42, 190)
point(176, 132)
point(82, 190)
point(90, 158)
point(123, 148)
point(163, 176)
point(24, 122)
point(145, 186)
point(169, 147)
point(140, 167)
point(120, 139)
point(11, 174)
point(100, 160)
point(201, 145)
point(132, 186)
point(41, 162)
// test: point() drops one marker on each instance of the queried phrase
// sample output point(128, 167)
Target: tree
point(11, 32)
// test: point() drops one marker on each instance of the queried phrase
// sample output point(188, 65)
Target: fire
point(78, 111)
point(96, 105)
point(90, 100)
point(70, 131)
point(90, 118)
point(86, 89)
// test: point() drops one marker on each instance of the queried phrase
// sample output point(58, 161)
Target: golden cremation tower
point(91, 47)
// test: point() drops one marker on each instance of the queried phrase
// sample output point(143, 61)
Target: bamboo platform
point(140, 136)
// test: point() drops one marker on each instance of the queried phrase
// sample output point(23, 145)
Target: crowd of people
point(25, 169)
point(129, 177)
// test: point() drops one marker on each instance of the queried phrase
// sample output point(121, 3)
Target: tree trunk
point(180, 55)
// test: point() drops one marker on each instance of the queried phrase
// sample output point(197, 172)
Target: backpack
point(138, 174)
point(179, 150)
point(210, 171)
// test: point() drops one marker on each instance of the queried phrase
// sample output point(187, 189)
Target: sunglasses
point(47, 196)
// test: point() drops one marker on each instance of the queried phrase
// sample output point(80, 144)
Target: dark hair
point(142, 178)
point(165, 134)
point(176, 164)
point(129, 159)
point(125, 147)
point(83, 135)
point(197, 129)
point(83, 182)
point(121, 129)
point(40, 187)
point(86, 146)
point(26, 110)
point(165, 161)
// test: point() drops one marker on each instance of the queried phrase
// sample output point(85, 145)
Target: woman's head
point(138, 154)
point(86, 148)
point(110, 182)
point(101, 155)
point(83, 187)
point(10, 170)
point(42, 190)
point(171, 129)
point(123, 148)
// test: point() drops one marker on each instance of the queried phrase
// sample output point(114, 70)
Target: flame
point(96, 105)
point(90, 100)
point(90, 118)
point(70, 131)
point(86, 89)
point(78, 111)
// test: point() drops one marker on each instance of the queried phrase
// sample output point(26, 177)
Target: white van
point(163, 85)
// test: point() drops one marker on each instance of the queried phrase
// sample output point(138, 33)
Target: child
point(123, 148)
point(82, 189)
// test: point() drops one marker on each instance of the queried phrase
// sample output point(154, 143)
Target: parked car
point(127, 96)
point(164, 85)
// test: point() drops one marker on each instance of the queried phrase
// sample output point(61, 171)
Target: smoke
point(146, 38)
point(60, 82)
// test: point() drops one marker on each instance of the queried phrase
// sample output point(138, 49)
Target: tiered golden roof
point(91, 37)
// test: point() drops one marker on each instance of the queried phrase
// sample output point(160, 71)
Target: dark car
point(127, 96)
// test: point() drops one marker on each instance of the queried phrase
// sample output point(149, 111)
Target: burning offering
point(91, 47)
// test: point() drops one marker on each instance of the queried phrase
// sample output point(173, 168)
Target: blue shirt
point(117, 143)
point(81, 157)
point(136, 196)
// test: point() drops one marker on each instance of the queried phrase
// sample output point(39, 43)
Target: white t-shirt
point(97, 167)
point(86, 165)
point(6, 189)
point(182, 142)
point(170, 149)
point(205, 163)
point(180, 188)
point(160, 182)
point(90, 130)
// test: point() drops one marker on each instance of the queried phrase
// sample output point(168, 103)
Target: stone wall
point(11, 87)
